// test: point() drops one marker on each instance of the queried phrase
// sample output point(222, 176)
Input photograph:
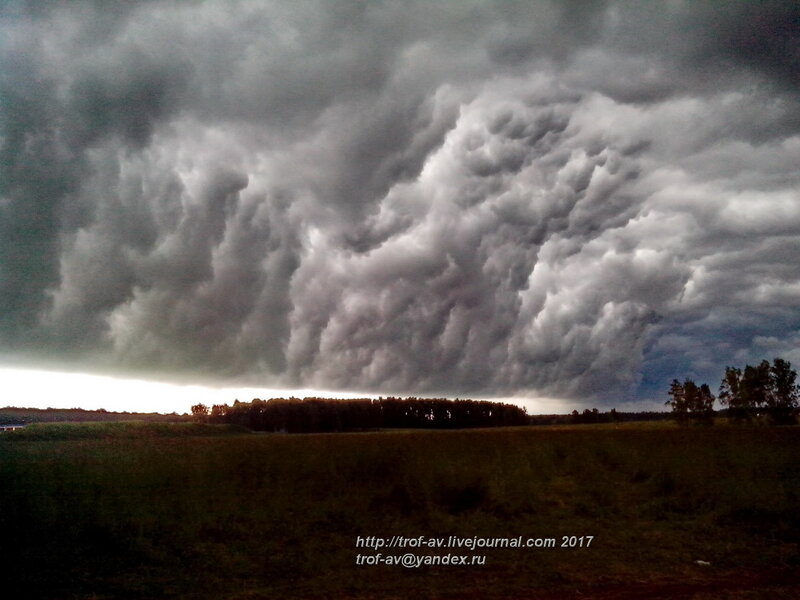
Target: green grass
point(151, 515)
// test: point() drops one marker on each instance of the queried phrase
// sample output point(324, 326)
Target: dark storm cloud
point(568, 199)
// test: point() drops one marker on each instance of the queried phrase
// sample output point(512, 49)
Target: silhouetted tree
point(218, 414)
point(782, 401)
point(323, 415)
point(200, 413)
point(756, 386)
point(691, 402)
point(701, 404)
point(680, 408)
point(730, 395)
point(762, 389)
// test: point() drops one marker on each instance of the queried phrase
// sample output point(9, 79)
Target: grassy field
point(52, 432)
point(173, 512)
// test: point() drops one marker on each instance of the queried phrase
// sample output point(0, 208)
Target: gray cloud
point(578, 200)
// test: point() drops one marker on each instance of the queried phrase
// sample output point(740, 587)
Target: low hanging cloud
point(578, 200)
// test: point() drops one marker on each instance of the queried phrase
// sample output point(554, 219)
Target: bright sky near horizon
point(33, 388)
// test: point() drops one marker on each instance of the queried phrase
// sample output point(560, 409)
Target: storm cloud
point(578, 200)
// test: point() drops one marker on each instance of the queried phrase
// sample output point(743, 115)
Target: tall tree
point(763, 389)
point(677, 394)
point(756, 386)
point(782, 403)
point(701, 405)
point(691, 402)
point(730, 395)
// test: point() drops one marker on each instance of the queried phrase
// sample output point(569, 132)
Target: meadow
point(191, 511)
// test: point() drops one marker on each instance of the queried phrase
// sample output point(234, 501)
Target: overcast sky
point(576, 200)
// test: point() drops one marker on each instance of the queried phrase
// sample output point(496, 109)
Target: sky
point(564, 202)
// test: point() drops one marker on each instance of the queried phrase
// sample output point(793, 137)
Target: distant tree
point(217, 414)
point(782, 401)
point(325, 415)
point(766, 388)
point(701, 405)
point(691, 402)
point(200, 413)
point(677, 401)
point(730, 395)
point(756, 386)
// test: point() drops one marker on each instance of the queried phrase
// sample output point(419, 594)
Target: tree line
point(307, 415)
point(15, 414)
point(765, 391)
